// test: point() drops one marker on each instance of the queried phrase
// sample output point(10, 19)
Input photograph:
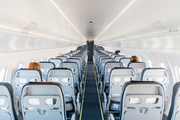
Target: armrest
point(111, 117)
point(105, 102)
point(78, 97)
point(73, 117)
point(78, 103)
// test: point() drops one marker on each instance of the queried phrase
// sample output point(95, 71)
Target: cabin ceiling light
point(115, 19)
point(67, 18)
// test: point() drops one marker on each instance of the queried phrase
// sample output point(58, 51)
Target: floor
point(91, 107)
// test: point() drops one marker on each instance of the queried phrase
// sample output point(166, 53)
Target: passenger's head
point(60, 54)
point(134, 59)
point(103, 49)
point(117, 52)
point(34, 65)
point(71, 51)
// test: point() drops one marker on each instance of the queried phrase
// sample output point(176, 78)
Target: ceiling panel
point(101, 12)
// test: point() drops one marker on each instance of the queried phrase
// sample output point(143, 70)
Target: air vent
point(157, 25)
point(91, 21)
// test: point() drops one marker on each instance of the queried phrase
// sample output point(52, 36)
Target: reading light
point(67, 18)
point(115, 19)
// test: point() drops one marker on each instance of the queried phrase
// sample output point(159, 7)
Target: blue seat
point(125, 61)
point(118, 57)
point(63, 58)
point(45, 67)
point(57, 61)
point(23, 76)
point(79, 65)
point(174, 113)
point(74, 67)
point(7, 110)
point(138, 67)
point(107, 69)
point(142, 101)
point(64, 76)
point(118, 77)
point(43, 101)
point(156, 74)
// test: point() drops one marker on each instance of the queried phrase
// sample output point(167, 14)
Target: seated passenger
point(134, 59)
point(117, 52)
point(60, 54)
point(71, 51)
point(35, 65)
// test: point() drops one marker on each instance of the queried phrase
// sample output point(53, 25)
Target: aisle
point(91, 108)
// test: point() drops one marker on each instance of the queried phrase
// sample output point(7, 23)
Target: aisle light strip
point(115, 19)
point(67, 18)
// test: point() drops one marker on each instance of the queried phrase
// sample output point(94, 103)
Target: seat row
point(57, 95)
point(113, 76)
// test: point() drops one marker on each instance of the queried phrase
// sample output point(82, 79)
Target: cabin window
point(162, 65)
point(149, 63)
point(140, 59)
point(2, 74)
point(42, 59)
point(21, 65)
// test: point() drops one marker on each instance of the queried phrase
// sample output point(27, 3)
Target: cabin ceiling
point(68, 21)
point(101, 12)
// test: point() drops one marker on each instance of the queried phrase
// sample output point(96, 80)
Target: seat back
point(125, 61)
point(138, 67)
point(67, 55)
point(74, 67)
point(104, 61)
point(108, 67)
point(63, 58)
point(100, 61)
point(56, 61)
point(45, 67)
point(118, 77)
point(43, 101)
point(142, 101)
point(81, 63)
point(113, 56)
point(118, 57)
point(23, 76)
point(7, 110)
point(174, 113)
point(64, 76)
point(78, 63)
point(156, 74)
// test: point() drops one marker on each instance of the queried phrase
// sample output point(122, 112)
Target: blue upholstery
point(64, 76)
point(63, 58)
point(142, 101)
point(174, 113)
point(56, 61)
point(43, 101)
point(7, 110)
point(138, 67)
point(23, 76)
point(45, 67)
point(125, 61)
